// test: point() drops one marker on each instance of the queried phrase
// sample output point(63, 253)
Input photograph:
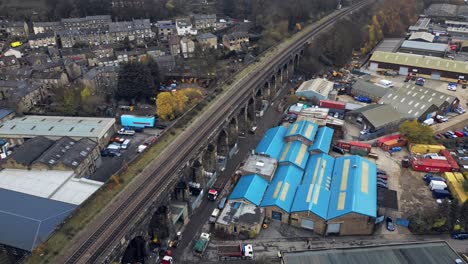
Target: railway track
point(114, 224)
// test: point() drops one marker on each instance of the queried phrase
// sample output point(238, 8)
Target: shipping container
point(450, 160)
point(423, 149)
point(358, 151)
point(455, 183)
point(400, 142)
point(385, 139)
point(430, 165)
point(137, 121)
point(332, 104)
point(347, 145)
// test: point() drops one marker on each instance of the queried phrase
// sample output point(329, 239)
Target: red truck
point(240, 251)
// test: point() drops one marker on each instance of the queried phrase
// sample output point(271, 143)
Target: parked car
point(119, 140)
point(382, 181)
point(149, 141)
point(382, 185)
point(430, 177)
point(110, 153)
point(459, 134)
point(461, 236)
point(124, 131)
point(460, 110)
point(390, 225)
point(212, 194)
point(440, 118)
point(452, 86)
point(420, 81)
point(338, 150)
point(364, 131)
point(141, 148)
point(437, 137)
point(137, 129)
point(382, 176)
point(381, 171)
point(363, 99)
point(222, 203)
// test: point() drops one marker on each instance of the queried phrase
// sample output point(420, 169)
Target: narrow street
point(245, 145)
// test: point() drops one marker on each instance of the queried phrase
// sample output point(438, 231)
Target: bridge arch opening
point(209, 158)
point(259, 100)
point(241, 121)
point(136, 251)
point(251, 113)
point(222, 144)
point(159, 225)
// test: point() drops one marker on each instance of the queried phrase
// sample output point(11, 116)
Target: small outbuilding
point(317, 89)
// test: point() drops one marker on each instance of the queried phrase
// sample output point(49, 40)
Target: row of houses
point(292, 179)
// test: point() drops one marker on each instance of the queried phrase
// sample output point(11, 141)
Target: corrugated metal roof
point(314, 193)
point(322, 140)
point(414, 253)
point(412, 101)
point(56, 126)
point(26, 220)
point(302, 128)
point(317, 86)
point(423, 36)
point(251, 188)
point(282, 188)
point(353, 187)
point(419, 61)
point(272, 142)
point(418, 45)
point(296, 153)
point(367, 88)
point(383, 115)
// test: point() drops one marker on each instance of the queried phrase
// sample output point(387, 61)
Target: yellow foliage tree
point(165, 106)
point(180, 102)
point(194, 95)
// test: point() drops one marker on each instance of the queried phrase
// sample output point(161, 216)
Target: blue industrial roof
point(323, 140)
point(282, 188)
point(353, 187)
point(26, 220)
point(272, 142)
point(296, 153)
point(303, 128)
point(314, 193)
point(251, 188)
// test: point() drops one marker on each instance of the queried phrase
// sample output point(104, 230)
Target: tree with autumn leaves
point(170, 105)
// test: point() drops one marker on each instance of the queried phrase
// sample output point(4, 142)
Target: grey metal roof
point(369, 88)
point(418, 45)
point(382, 115)
point(31, 150)
point(206, 36)
point(5, 112)
point(412, 101)
point(26, 220)
point(56, 126)
point(414, 253)
point(444, 10)
point(67, 151)
point(422, 36)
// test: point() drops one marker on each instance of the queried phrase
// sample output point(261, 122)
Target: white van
point(214, 215)
point(428, 122)
point(125, 144)
point(437, 185)
point(386, 83)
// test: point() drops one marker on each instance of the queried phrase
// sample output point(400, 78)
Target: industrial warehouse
point(425, 66)
point(308, 189)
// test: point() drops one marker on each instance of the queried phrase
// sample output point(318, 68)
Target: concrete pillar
point(197, 172)
point(258, 102)
point(209, 158)
point(242, 122)
point(251, 114)
point(233, 132)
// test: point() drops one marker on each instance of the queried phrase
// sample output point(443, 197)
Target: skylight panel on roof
point(410, 111)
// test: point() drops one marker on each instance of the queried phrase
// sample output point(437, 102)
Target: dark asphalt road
point(202, 213)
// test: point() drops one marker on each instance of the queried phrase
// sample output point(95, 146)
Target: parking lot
point(412, 192)
point(111, 165)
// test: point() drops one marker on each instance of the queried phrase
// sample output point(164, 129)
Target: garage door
point(276, 215)
point(333, 228)
point(403, 71)
point(373, 66)
point(306, 223)
point(435, 75)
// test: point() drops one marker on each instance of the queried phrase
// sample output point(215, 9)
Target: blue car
point(363, 99)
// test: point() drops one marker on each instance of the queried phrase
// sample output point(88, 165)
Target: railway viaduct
point(204, 166)
point(153, 203)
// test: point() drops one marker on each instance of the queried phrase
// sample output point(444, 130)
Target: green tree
point(417, 133)
point(135, 82)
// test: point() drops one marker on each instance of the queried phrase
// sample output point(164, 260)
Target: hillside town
point(355, 164)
